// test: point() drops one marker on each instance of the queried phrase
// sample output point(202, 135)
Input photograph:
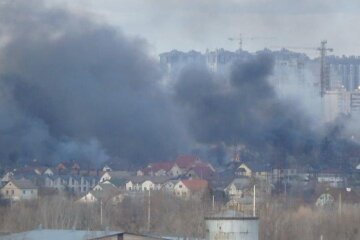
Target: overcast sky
point(202, 24)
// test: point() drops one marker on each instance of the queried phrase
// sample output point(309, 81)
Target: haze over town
point(179, 119)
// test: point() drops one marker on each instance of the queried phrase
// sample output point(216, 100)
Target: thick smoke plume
point(75, 89)
point(246, 110)
point(72, 88)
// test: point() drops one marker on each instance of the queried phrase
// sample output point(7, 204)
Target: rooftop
point(58, 234)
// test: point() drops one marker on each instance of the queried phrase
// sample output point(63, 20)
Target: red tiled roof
point(195, 184)
point(186, 161)
point(203, 171)
point(161, 165)
point(154, 167)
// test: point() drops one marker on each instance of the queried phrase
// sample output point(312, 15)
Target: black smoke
point(245, 110)
point(73, 88)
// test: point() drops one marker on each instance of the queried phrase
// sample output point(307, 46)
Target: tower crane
point(241, 39)
point(324, 80)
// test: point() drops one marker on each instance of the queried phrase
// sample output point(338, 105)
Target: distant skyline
point(202, 24)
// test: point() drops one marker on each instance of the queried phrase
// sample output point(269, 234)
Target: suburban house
point(112, 175)
point(237, 188)
point(7, 177)
point(101, 192)
point(19, 189)
point(71, 183)
point(190, 188)
point(183, 165)
point(160, 169)
point(44, 171)
point(357, 167)
point(67, 168)
point(252, 169)
point(200, 171)
point(145, 183)
point(106, 168)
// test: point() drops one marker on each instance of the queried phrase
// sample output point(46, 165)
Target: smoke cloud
point(246, 110)
point(75, 88)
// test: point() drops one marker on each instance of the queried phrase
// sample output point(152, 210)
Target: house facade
point(18, 190)
point(71, 183)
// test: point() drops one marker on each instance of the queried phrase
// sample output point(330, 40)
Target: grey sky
point(201, 24)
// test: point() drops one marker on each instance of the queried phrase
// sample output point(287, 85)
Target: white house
point(237, 187)
point(189, 188)
point(90, 197)
point(357, 167)
point(102, 191)
point(107, 176)
point(144, 183)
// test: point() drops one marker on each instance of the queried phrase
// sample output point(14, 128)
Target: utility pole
point(340, 204)
point(101, 212)
point(254, 202)
point(149, 211)
point(213, 203)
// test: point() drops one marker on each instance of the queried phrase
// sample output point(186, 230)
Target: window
point(7, 192)
point(180, 186)
point(12, 192)
point(24, 192)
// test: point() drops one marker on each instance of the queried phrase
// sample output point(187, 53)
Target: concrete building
point(355, 102)
point(220, 60)
point(335, 103)
point(174, 61)
point(231, 225)
point(347, 69)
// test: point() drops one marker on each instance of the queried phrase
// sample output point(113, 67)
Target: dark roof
point(154, 179)
point(258, 167)
point(241, 183)
point(23, 184)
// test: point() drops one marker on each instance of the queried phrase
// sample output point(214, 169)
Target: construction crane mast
point(324, 71)
point(324, 75)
